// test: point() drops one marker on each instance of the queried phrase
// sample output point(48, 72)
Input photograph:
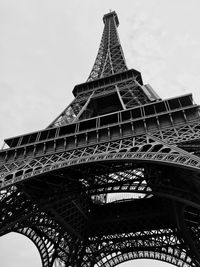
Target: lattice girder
point(117, 136)
point(106, 128)
point(170, 183)
point(126, 91)
point(45, 247)
point(139, 141)
point(142, 148)
point(15, 207)
point(110, 58)
point(51, 238)
point(189, 224)
point(163, 244)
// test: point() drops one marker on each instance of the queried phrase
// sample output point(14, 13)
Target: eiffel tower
point(115, 177)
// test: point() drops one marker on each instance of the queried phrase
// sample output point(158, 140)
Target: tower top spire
point(111, 14)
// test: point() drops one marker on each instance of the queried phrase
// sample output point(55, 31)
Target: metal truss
point(141, 148)
point(21, 216)
point(74, 110)
point(110, 58)
point(132, 178)
point(162, 245)
point(109, 127)
point(129, 92)
point(16, 209)
point(171, 253)
point(139, 182)
point(181, 134)
point(44, 246)
point(117, 137)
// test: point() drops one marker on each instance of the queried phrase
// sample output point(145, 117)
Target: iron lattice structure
point(116, 176)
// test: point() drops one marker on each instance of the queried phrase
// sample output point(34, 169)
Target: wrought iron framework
point(115, 177)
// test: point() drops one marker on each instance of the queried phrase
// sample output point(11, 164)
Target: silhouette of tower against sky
point(115, 177)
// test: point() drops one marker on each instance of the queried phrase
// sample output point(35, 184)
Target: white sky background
point(49, 46)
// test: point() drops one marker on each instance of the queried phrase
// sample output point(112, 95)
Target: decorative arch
point(176, 260)
point(45, 247)
point(144, 148)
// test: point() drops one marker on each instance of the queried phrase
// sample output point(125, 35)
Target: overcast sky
point(49, 46)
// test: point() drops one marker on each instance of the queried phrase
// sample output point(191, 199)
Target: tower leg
point(189, 225)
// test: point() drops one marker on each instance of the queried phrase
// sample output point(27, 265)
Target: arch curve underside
point(142, 148)
point(44, 246)
point(105, 177)
point(177, 259)
point(174, 255)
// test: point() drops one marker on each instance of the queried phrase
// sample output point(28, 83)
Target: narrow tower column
point(110, 58)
